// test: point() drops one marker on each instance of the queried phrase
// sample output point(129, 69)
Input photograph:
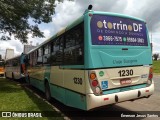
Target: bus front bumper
point(97, 101)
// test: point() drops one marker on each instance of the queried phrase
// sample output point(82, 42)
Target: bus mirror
point(90, 7)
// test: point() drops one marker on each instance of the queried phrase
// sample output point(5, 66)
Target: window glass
point(56, 45)
point(67, 49)
point(70, 40)
point(40, 52)
point(49, 48)
point(56, 57)
point(46, 49)
point(52, 47)
point(15, 62)
point(74, 45)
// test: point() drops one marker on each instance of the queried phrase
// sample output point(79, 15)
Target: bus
point(2, 65)
point(13, 69)
point(100, 59)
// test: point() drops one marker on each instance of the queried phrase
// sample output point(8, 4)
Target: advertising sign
point(113, 30)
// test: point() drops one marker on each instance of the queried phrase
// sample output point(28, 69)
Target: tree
point(15, 16)
point(155, 56)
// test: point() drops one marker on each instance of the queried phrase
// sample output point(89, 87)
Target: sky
point(68, 11)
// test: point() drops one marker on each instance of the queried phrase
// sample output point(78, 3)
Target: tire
point(47, 92)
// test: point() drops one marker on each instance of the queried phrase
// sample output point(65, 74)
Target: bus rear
point(1, 68)
point(119, 59)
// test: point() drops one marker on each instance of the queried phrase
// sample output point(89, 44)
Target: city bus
point(13, 69)
point(2, 68)
point(100, 59)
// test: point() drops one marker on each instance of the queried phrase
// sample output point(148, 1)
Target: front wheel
point(47, 92)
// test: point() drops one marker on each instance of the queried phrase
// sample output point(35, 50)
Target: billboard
point(113, 30)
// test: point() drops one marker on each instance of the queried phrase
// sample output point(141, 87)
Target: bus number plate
point(123, 73)
point(125, 81)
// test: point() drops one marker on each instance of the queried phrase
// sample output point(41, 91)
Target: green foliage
point(155, 56)
point(156, 67)
point(15, 16)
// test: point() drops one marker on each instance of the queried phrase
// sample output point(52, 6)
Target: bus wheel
point(47, 92)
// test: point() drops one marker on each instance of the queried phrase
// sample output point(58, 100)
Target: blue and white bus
point(100, 59)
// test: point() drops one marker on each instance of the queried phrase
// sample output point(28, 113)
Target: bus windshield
point(114, 30)
point(1, 63)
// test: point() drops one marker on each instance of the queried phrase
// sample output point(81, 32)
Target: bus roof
point(116, 14)
point(76, 22)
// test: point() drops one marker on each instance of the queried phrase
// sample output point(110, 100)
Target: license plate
point(125, 81)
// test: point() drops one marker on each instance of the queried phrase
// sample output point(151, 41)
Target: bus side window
point(52, 47)
point(56, 56)
point(53, 58)
point(69, 47)
point(40, 53)
point(15, 62)
point(74, 46)
point(46, 55)
point(59, 52)
point(79, 36)
point(34, 58)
